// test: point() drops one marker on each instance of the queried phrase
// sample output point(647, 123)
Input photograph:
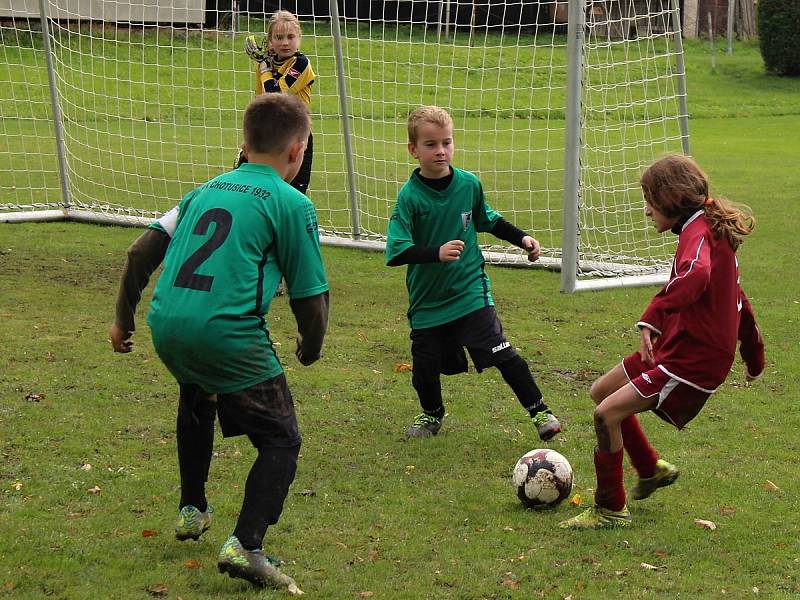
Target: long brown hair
point(676, 186)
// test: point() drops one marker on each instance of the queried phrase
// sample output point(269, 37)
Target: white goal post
point(111, 110)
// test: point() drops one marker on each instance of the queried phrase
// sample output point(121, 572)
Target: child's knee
point(600, 416)
point(598, 391)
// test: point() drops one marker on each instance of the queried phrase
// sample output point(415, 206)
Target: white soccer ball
point(543, 478)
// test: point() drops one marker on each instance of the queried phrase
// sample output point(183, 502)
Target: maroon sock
point(610, 492)
point(643, 456)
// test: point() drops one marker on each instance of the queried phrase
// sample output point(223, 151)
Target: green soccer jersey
point(234, 238)
point(441, 292)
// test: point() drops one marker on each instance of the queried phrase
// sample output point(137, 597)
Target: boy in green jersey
point(224, 251)
point(433, 230)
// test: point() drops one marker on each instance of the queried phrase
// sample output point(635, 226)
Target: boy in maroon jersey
point(689, 334)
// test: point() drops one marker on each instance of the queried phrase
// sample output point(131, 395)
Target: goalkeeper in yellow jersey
point(282, 68)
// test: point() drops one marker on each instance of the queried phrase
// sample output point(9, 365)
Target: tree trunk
point(689, 17)
point(746, 23)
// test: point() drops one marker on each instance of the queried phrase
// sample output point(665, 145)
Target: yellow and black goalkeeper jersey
point(293, 75)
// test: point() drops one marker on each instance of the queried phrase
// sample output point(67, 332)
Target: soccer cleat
point(424, 426)
point(240, 159)
point(192, 523)
point(254, 566)
point(664, 475)
point(598, 517)
point(281, 289)
point(546, 424)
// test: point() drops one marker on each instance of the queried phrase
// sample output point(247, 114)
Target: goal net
point(112, 111)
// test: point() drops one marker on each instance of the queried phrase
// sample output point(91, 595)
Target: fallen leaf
point(191, 564)
point(94, 490)
point(366, 594)
point(769, 486)
point(17, 485)
point(410, 469)
point(705, 524)
point(727, 511)
point(576, 500)
point(32, 397)
point(661, 553)
point(402, 367)
point(157, 589)
point(650, 567)
point(86, 467)
point(509, 580)
point(8, 586)
point(148, 533)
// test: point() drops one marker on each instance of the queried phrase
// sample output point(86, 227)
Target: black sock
point(430, 396)
point(516, 373)
point(195, 437)
point(264, 494)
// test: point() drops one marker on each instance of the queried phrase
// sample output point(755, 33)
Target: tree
point(779, 36)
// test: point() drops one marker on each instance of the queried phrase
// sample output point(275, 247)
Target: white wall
point(137, 11)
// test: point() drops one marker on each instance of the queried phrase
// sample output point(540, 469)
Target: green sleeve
point(400, 235)
point(483, 215)
point(298, 251)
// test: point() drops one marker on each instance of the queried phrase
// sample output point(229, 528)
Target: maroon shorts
point(677, 402)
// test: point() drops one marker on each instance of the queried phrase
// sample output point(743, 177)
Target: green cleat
point(424, 426)
point(664, 475)
point(598, 517)
point(546, 424)
point(254, 566)
point(192, 523)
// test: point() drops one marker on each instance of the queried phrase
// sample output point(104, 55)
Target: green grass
point(368, 511)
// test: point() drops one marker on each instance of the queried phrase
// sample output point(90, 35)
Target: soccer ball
point(543, 478)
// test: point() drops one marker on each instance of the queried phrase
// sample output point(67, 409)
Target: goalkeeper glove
point(254, 51)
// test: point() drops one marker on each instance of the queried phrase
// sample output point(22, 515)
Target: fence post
point(731, 6)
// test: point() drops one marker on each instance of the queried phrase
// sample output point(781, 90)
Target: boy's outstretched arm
point(311, 315)
point(144, 256)
point(751, 347)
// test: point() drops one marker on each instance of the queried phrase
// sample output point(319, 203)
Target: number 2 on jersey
point(187, 275)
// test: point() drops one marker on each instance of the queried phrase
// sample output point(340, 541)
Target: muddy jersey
point(234, 238)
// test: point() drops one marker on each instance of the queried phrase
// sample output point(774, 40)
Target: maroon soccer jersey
point(701, 312)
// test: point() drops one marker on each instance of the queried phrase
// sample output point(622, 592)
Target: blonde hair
point(676, 186)
point(283, 16)
point(427, 114)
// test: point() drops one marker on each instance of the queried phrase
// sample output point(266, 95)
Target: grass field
point(88, 473)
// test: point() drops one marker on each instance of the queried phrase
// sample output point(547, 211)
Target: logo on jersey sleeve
point(466, 219)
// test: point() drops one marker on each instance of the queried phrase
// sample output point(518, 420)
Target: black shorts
point(303, 177)
point(440, 349)
point(264, 412)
